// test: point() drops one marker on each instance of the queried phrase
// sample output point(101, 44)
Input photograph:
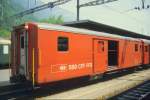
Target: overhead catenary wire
point(91, 3)
point(114, 10)
point(96, 2)
point(143, 6)
point(129, 16)
point(41, 7)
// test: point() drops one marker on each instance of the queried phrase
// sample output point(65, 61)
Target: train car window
point(101, 46)
point(22, 42)
point(62, 44)
point(141, 47)
point(146, 48)
point(5, 49)
point(136, 47)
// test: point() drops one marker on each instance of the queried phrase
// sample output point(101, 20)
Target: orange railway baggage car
point(44, 53)
point(146, 51)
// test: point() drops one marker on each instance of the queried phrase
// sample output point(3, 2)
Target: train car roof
point(91, 25)
point(145, 41)
point(80, 31)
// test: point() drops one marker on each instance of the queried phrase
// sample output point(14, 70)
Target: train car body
point(44, 53)
point(146, 51)
point(4, 52)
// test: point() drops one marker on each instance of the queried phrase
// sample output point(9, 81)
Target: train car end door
point(23, 54)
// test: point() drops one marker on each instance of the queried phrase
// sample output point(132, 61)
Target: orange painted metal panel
point(100, 56)
point(130, 57)
point(146, 54)
point(58, 65)
point(78, 60)
point(87, 54)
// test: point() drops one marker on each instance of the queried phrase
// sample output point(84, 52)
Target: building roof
point(91, 25)
point(4, 41)
point(80, 31)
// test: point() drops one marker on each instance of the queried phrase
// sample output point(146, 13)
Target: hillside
point(55, 15)
point(46, 13)
point(7, 22)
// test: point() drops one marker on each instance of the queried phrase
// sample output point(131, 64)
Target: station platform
point(106, 89)
point(4, 75)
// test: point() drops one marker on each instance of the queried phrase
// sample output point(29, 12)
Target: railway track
point(104, 89)
point(141, 92)
point(12, 91)
point(22, 91)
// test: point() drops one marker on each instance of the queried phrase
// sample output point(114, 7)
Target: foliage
point(4, 33)
point(7, 22)
point(53, 20)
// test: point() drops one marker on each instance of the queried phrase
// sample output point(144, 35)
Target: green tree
point(4, 33)
point(7, 9)
point(53, 20)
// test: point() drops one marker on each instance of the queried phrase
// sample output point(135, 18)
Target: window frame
point(146, 48)
point(5, 49)
point(61, 43)
point(136, 48)
point(101, 46)
point(22, 42)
